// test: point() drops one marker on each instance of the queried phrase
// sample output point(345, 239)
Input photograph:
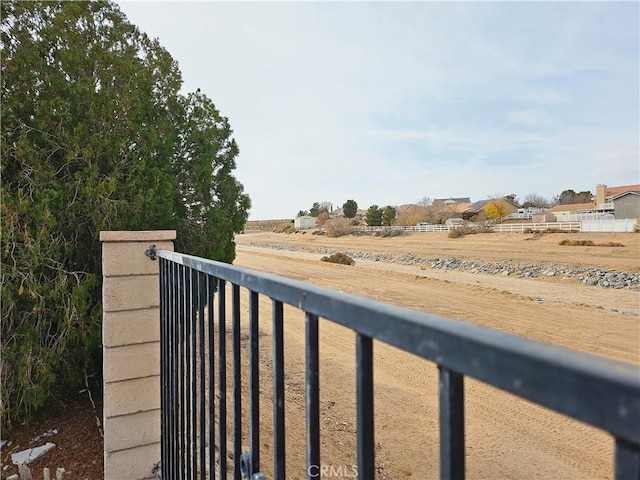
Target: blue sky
point(389, 102)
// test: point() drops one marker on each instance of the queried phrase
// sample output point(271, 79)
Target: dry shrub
point(322, 218)
point(338, 227)
point(339, 258)
point(390, 232)
point(576, 243)
point(588, 243)
point(454, 233)
point(285, 228)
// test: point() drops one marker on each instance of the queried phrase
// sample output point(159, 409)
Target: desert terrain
point(506, 437)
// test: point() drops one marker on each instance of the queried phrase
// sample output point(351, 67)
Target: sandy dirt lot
point(506, 437)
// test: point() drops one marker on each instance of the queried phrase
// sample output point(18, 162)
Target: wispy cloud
point(388, 102)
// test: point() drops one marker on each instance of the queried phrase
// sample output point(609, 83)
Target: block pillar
point(131, 352)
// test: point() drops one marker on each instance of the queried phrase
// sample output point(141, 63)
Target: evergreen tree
point(95, 136)
point(388, 215)
point(350, 208)
point(374, 216)
point(315, 209)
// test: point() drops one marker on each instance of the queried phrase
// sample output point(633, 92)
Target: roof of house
point(572, 207)
point(630, 192)
point(407, 207)
point(460, 207)
point(452, 200)
point(616, 191)
point(478, 206)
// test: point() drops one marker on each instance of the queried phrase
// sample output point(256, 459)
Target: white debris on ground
point(51, 432)
point(30, 454)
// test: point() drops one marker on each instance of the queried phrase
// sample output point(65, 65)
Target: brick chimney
point(601, 192)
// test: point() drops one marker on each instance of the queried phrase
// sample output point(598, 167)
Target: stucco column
point(131, 352)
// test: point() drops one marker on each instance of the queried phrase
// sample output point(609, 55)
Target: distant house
point(360, 214)
point(526, 213)
point(478, 207)
point(622, 201)
point(454, 221)
point(304, 221)
point(543, 217)
point(444, 208)
point(609, 202)
point(408, 208)
point(626, 205)
point(571, 211)
point(450, 201)
point(605, 194)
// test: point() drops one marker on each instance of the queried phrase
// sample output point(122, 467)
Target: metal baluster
point(278, 392)
point(627, 460)
point(254, 379)
point(222, 376)
point(203, 381)
point(174, 404)
point(211, 385)
point(164, 385)
point(312, 396)
point(194, 373)
point(237, 383)
point(188, 407)
point(182, 369)
point(452, 461)
point(364, 405)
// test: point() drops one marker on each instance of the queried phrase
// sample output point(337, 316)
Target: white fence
point(620, 225)
point(499, 228)
point(603, 225)
point(578, 217)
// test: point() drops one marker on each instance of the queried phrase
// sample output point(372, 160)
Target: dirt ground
point(506, 437)
point(71, 424)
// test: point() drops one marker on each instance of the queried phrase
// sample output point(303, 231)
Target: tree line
point(424, 211)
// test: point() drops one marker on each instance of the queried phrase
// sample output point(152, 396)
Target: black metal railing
point(597, 391)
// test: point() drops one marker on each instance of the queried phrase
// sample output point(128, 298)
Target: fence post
point(131, 352)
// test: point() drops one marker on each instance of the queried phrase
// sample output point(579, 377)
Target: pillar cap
point(137, 236)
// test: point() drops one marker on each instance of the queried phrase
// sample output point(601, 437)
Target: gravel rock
point(590, 276)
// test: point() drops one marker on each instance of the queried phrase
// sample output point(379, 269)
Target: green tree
point(350, 208)
point(315, 209)
point(374, 216)
point(94, 136)
point(570, 196)
point(388, 215)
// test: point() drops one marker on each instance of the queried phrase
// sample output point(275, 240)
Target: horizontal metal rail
point(600, 392)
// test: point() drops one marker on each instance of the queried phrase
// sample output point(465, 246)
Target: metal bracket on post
point(245, 468)
point(151, 252)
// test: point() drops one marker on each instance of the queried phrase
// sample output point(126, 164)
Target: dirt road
point(506, 437)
